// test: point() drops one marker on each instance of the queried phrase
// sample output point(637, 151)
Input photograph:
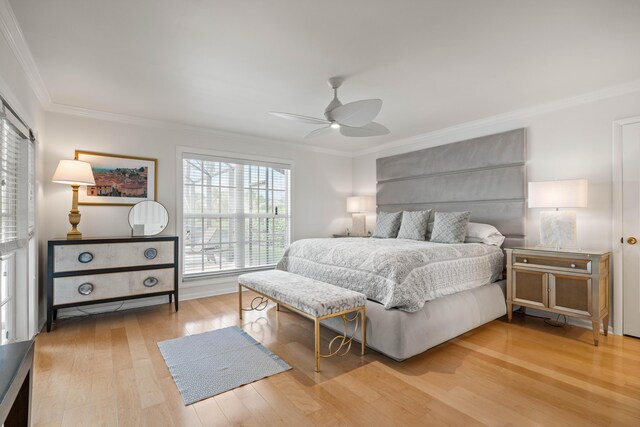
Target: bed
point(421, 294)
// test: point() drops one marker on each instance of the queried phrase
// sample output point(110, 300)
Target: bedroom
point(170, 94)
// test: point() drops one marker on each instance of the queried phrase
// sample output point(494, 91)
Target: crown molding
point(12, 32)
point(506, 118)
point(162, 124)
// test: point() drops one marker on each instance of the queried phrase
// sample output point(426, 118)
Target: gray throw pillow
point(387, 225)
point(450, 227)
point(414, 225)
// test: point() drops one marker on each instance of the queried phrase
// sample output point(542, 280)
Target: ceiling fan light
point(335, 125)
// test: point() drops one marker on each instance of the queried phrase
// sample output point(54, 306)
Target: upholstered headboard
point(485, 175)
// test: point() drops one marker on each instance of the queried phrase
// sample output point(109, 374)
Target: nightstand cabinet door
point(530, 287)
point(570, 293)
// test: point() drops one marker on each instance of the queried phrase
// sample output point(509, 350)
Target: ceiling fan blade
point(299, 118)
point(357, 113)
point(318, 132)
point(372, 129)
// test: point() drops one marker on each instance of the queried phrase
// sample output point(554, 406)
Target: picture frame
point(120, 180)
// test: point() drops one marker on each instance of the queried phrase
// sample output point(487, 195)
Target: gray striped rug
point(213, 362)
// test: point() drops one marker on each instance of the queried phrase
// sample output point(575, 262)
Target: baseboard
point(573, 321)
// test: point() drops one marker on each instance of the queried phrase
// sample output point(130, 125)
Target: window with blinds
point(236, 214)
point(14, 186)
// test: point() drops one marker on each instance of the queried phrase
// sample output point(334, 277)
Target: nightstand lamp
point(74, 173)
point(558, 228)
point(358, 206)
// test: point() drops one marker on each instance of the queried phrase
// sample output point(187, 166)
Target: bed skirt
point(400, 335)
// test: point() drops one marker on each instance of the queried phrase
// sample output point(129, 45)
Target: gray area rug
point(213, 362)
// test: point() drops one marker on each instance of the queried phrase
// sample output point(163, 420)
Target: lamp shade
point(571, 193)
point(359, 204)
point(74, 172)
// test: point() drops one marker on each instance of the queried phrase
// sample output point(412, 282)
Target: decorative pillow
point(414, 225)
point(450, 227)
point(483, 233)
point(387, 225)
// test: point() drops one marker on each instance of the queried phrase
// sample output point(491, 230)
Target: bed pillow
point(414, 225)
point(483, 233)
point(450, 227)
point(387, 225)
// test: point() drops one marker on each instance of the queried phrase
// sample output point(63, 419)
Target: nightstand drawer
point(95, 287)
point(578, 265)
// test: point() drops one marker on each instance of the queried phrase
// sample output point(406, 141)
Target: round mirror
point(148, 218)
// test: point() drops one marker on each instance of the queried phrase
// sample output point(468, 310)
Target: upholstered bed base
point(401, 335)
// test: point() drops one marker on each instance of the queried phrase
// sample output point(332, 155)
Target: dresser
point(572, 283)
point(91, 271)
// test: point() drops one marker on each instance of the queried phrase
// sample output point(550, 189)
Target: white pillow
point(483, 233)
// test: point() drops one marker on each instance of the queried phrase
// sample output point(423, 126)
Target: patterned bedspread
point(397, 273)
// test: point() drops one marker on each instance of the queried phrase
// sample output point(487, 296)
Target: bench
point(310, 298)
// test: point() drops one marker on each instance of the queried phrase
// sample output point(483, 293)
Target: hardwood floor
point(107, 370)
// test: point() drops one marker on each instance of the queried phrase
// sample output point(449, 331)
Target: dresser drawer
point(578, 265)
point(95, 287)
point(111, 255)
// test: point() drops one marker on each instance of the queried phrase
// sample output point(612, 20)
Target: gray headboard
point(485, 175)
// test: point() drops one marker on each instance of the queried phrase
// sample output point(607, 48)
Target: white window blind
point(236, 214)
point(14, 175)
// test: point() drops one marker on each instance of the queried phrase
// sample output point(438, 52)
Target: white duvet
point(397, 273)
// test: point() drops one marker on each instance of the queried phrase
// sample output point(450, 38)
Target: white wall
point(321, 182)
point(574, 142)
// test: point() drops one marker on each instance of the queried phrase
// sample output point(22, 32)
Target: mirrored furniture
point(572, 283)
point(100, 270)
point(148, 218)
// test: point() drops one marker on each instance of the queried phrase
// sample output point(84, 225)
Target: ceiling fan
point(353, 119)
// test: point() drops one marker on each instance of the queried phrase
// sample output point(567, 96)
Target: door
point(530, 287)
point(631, 229)
point(570, 293)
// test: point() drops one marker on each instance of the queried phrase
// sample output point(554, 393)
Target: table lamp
point(358, 206)
point(558, 228)
point(74, 173)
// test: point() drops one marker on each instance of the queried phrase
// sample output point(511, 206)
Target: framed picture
point(120, 180)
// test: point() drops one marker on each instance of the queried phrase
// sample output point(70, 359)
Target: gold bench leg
point(240, 300)
point(317, 338)
point(363, 334)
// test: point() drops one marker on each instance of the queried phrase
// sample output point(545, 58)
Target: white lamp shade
point(74, 172)
point(571, 193)
point(358, 204)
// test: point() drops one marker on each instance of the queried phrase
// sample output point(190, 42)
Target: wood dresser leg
point(605, 325)
point(596, 332)
point(509, 311)
point(317, 344)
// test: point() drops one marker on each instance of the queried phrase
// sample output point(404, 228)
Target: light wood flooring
point(107, 370)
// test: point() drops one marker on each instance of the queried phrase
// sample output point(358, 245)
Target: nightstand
point(573, 283)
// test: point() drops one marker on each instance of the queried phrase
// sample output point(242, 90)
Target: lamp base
point(359, 224)
point(558, 229)
point(74, 216)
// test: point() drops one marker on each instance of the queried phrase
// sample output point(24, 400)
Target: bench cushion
point(307, 295)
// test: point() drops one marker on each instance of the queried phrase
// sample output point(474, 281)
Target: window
point(236, 214)
point(15, 215)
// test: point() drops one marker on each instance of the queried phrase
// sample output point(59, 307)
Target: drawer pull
point(85, 257)
point(150, 253)
point(525, 260)
point(150, 282)
point(573, 266)
point(85, 289)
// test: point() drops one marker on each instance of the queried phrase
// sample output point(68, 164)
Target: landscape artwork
point(120, 180)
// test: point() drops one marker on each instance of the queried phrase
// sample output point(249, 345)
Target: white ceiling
point(223, 64)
